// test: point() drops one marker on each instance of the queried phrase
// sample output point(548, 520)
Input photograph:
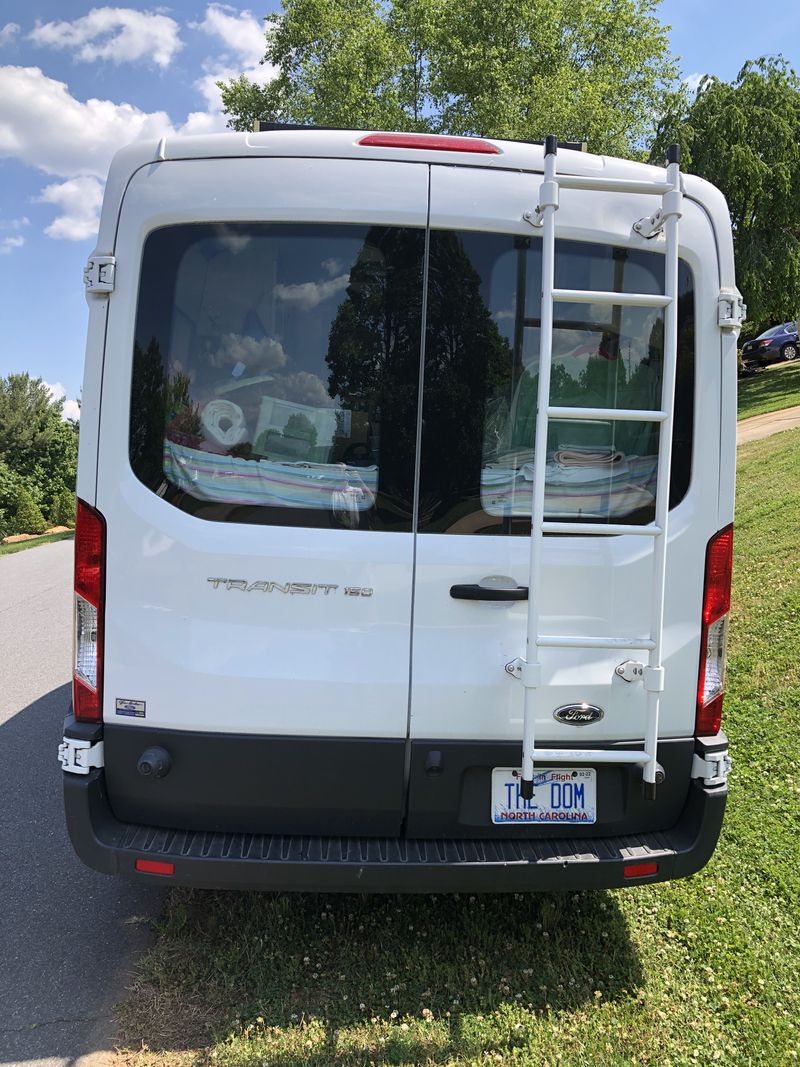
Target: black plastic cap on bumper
point(395, 865)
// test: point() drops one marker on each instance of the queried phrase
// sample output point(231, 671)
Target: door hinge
point(78, 757)
point(98, 274)
point(731, 309)
point(713, 769)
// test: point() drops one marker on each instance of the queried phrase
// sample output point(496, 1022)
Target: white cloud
point(242, 37)
point(79, 201)
point(43, 125)
point(242, 33)
point(302, 388)
point(692, 82)
point(8, 33)
point(266, 354)
point(70, 410)
point(116, 33)
point(8, 244)
point(306, 295)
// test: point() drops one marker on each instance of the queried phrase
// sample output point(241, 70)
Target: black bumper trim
point(358, 864)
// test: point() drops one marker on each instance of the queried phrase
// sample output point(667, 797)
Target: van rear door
point(256, 473)
point(479, 403)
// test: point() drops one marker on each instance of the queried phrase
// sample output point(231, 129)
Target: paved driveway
point(759, 426)
point(68, 936)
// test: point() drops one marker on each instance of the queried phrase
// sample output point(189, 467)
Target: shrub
point(63, 510)
point(28, 517)
point(9, 488)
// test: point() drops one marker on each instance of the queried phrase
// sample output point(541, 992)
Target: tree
point(35, 442)
point(28, 517)
point(63, 510)
point(744, 137)
point(588, 70)
point(9, 488)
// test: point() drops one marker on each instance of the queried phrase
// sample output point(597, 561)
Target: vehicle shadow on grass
point(322, 978)
point(780, 384)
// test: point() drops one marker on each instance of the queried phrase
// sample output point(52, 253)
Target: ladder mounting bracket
point(650, 226)
point(535, 218)
point(514, 668)
point(530, 674)
point(630, 671)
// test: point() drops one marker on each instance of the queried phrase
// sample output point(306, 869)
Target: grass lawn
point(46, 539)
point(700, 971)
point(770, 390)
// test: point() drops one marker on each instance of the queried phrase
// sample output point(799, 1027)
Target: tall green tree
point(744, 136)
point(588, 70)
point(37, 445)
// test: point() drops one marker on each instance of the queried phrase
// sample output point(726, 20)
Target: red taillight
point(639, 870)
point(154, 867)
point(431, 141)
point(714, 633)
point(87, 673)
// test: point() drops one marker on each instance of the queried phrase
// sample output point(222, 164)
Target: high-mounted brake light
point(90, 557)
point(433, 142)
point(714, 633)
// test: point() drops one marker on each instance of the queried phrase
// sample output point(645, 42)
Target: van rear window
point(276, 371)
point(276, 378)
point(482, 377)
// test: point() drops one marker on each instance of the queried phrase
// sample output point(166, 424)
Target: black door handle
point(488, 592)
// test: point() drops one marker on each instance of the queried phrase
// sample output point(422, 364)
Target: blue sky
point(77, 81)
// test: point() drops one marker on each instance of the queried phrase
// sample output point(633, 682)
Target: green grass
point(46, 539)
point(769, 390)
point(697, 971)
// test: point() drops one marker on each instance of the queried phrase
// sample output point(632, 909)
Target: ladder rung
point(583, 755)
point(612, 185)
point(608, 414)
point(597, 296)
point(558, 641)
point(607, 528)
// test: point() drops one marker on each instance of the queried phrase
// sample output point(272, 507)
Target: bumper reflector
point(639, 870)
point(154, 867)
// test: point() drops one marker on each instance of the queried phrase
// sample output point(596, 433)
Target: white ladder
point(652, 674)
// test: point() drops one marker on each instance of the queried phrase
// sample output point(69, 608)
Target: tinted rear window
point(481, 381)
point(276, 372)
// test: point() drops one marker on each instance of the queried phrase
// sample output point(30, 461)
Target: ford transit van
point(404, 533)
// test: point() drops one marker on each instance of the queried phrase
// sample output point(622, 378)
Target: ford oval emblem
point(578, 714)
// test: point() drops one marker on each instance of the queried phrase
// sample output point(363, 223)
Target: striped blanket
point(229, 480)
point(605, 491)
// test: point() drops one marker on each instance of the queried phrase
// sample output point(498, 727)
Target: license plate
point(560, 795)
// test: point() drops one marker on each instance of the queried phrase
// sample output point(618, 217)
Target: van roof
point(345, 144)
point(514, 155)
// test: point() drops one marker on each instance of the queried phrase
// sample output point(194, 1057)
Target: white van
point(404, 538)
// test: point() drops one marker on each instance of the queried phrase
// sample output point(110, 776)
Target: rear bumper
point(385, 864)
